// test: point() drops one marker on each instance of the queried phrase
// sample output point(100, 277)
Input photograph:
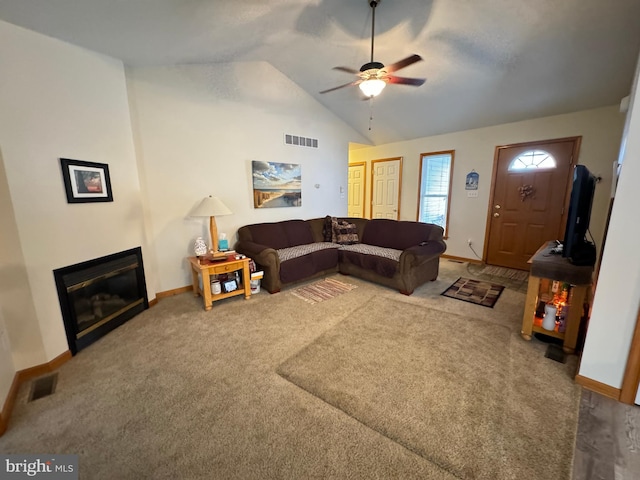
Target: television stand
point(547, 268)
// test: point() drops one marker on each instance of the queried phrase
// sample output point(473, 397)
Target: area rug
point(322, 290)
point(465, 394)
point(474, 291)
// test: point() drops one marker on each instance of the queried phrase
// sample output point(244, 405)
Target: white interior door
point(385, 188)
point(356, 187)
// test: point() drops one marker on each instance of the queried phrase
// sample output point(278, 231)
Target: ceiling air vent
point(300, 141)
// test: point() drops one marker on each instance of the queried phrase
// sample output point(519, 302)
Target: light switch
point(472, 194)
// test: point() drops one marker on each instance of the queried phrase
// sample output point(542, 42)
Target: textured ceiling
point(486, 62)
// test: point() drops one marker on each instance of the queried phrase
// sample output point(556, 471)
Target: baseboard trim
point(462, 259)
point(175, 291)
point(153, 303)
point(8, 404)
point(598, 387)
point(22, 376)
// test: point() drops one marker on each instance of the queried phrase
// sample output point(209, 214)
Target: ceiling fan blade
point(346, 69)
point(405, 62)
point(355, 82)
point(416, 82)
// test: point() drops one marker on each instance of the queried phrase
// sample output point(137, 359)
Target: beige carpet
point(442, 386)
point(178, 392)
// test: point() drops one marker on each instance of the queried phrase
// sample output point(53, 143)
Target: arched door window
point(533, 159)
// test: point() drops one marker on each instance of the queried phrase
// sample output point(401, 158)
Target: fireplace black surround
point(99, 295)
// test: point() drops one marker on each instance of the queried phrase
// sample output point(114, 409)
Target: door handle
point(496, 214)
point(497, 207)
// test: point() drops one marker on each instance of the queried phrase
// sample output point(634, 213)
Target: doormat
point(322, 290)
point(503, 272)
point(474, 291)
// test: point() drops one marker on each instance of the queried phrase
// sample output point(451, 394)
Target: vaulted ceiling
point(486, 62)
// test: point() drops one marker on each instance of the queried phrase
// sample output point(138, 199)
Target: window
point(533, 159)
point(435, 188)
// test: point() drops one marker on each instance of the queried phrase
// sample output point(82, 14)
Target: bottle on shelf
point(549, 320)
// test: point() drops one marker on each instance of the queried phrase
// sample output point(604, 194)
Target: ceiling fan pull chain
point(370, 112)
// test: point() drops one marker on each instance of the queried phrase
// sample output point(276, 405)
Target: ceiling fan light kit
point(372, 87)
point(374, 76)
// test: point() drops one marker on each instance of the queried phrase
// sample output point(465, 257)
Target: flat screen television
point(576, 247)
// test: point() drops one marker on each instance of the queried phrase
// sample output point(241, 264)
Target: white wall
point(600, 129)
point(197, 129)
point(20, 322)
point(7, 368)
point(58, 100)
point(617, 297)
point(15, 295)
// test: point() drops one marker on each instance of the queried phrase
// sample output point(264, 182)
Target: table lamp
point(212, 207)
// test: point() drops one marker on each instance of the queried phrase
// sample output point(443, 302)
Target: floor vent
point(300, 141)
point(555, 352)
point(43, 386)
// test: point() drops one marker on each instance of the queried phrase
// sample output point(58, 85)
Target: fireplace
point(99, 295)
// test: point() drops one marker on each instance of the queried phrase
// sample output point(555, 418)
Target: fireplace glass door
point(99, 295)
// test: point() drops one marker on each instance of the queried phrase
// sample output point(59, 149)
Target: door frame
point(577, 140)
point(373, 162)
point(364, 190)
point(631, 378)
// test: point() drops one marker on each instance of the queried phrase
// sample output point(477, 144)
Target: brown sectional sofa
point(398, 254)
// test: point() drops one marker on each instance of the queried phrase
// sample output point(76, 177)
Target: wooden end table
point(206, 268)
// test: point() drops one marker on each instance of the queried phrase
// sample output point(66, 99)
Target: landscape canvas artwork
point(276, 185)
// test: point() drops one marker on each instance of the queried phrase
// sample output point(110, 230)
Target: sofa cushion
point(383, 261)
point(364, 249)
point(396, 234)
point(297, 269)
point(298, 232)
point(269, 234)
point(308, 265)
point(289, 253)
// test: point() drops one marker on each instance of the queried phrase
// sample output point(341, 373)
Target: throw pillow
point(334, 225)
point(327, 230)
point(346, 233)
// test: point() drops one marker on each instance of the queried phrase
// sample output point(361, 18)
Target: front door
point(355, 190)
point(529, 195)
point(385, 188)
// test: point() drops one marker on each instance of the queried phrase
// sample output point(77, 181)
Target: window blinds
point(434, 188)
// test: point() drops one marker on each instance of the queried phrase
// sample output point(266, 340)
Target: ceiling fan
point(374, 76)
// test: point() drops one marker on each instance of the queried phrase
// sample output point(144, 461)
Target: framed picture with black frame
point(86, 181)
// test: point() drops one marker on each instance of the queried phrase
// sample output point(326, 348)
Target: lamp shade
point(372, 87)
point(211, 207)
